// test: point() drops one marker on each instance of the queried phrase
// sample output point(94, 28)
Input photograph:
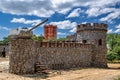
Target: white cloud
point(16, 20)
point(110, 31)
point(65, 24)
point(96, 11)
point(61, 33)
point(46, 8)
point(73, 30)
point(84, 22)
point(41, 8)
point(24, 21)
point(118, 26)
point(111, 16)
point(92, 12)
point(101, 3)
point(75, 13)
point(97, 8)
point(63, 11)
point(118, 29)
point(4, 28)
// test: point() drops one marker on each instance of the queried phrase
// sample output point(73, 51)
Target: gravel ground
point(77, 74)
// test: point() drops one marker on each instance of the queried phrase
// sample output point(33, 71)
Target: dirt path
point(88, 74)
point(79, 74)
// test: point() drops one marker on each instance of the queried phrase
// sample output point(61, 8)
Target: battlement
point(62, 44)
point(92, 26)
point(50, 25)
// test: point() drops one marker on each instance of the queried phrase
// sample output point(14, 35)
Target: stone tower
point(94, 34)
point(50, 32)
point(22, 56)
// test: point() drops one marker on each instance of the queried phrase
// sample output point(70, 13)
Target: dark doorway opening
point(84, 41)
point(100, 42)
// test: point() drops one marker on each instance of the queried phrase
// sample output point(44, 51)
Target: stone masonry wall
point(65, 57)
point(24, 53)
point(94, 34)
point(99, 57)
point(22, 57)
point(100, 51)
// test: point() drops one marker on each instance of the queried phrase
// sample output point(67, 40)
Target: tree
point(111, 56)
point(113, 41)
point(117, 51)
point(5, 40)
point(63, 39)
point(38, 38)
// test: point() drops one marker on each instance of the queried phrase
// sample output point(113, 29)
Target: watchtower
point(95, 34)
point(50, 32)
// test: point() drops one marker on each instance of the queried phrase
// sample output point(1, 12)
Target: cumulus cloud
point(41, 8)
point(73, 30)
point(62, 33)
point(46, 8)
point(92, 12)
point(98, 8)
point(115, 31)
point(64, 11)
point(24, 21)
point(118, 29)
point(96, 11)
point(66, 24)
point(4, 28)
point(101, 3)
point(110, 31)
point(75, 13)
point(84, 22)
point(111, 16)
point(118, 26)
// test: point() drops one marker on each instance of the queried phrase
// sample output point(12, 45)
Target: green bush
point(111, 56)
point(113, 42)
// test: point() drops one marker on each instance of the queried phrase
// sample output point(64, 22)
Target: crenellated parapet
point(62, 45)
point(92, 27)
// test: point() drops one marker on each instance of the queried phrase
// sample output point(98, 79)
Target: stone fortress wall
point(65, 55)
point(85, 52)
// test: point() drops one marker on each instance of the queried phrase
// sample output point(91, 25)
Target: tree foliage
point(113, 41)
point(63, 39)
point(5, 40)
point(38, 38)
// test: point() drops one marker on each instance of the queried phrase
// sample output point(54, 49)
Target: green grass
point(118, 78)
point(114, 61)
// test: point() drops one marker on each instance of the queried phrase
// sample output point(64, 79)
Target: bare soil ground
point(74, 74)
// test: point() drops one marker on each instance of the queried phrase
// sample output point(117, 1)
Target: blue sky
point(66, 14)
